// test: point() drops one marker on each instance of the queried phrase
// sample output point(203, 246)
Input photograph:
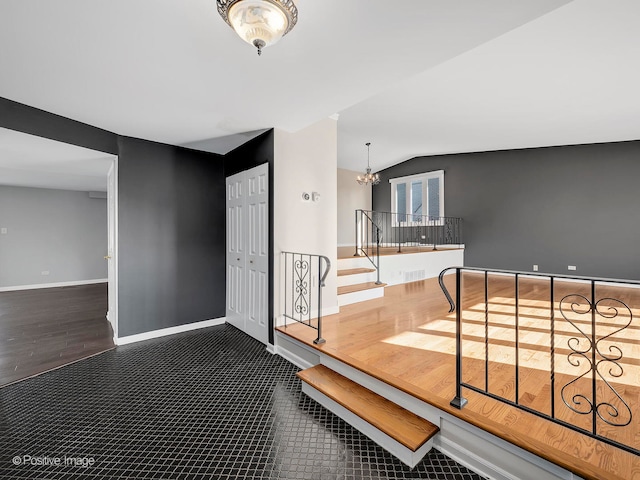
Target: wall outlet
point(3, 231)
point(535, 268)
point(571, 267)
point(44, 272)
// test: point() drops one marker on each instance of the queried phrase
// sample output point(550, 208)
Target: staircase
point(356, 281)
point(397, 421)
point(402, 433)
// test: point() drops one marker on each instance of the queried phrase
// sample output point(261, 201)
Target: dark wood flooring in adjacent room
point(46, 328)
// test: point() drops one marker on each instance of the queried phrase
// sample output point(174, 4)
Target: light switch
point(3, 231)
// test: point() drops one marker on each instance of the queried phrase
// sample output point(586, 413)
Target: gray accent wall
point(554, 207)
point(171, 251)
point(23, 118)
point(60, 232)
point(171, 261)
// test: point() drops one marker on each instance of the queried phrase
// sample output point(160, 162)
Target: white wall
point(351, 197)
point(59, 231)
point(306, 161)
point(417, 266)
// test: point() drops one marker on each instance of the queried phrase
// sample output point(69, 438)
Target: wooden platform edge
point(359, 287)
point(400, 424)
point(572, 464)
point(354, 271)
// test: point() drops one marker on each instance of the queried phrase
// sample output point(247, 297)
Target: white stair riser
point(354, 262)
point(357, 278)
point(361, 296)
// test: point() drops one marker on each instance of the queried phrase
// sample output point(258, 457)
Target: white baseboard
point(53, 285)
point(285, 346)
point(170, 331)
point(292, 358)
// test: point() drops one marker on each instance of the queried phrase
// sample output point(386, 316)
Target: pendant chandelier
point(368, 178)
point(259, 22)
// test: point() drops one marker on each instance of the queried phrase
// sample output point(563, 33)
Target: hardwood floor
point(407, 339)
point(46, 328)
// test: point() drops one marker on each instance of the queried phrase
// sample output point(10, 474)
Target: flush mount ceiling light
point(259, 22)
point(368, 178)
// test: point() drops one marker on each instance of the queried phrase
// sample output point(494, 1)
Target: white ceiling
point(28, 161)
point(569, 77)
point(416, 77)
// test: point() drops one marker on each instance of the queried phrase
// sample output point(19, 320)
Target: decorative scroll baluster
point(301, 287)
point(595, 360)
point(601, 359)
point(299, 270)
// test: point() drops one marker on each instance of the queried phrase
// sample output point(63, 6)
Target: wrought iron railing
point(585, 339)
point(304, 278)
point(389, 229)
point(368, 238)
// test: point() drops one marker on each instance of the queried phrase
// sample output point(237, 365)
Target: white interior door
point(248, 251)
point(235, 250)
point(258, 253)
point(111, 247)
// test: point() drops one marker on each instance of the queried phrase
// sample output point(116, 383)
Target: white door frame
point(112, 246)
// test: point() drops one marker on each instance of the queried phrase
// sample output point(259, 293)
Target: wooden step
point(402, 426)
point(355, 271)
point(359, 287)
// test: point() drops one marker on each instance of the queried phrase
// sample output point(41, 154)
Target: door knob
point(107, 257)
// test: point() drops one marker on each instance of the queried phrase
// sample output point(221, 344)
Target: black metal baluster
point(357, 243)
point(594, 412)
point(319, 339)
point(459, 401)
point(310, 309)
point(293, 285)
point(366, 242)
point(286, 255)
point(517, 332)
point(553, 350)
point(378, 282)
point(486, 331)
point(434, 227)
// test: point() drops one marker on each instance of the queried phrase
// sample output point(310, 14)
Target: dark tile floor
point(206, 404)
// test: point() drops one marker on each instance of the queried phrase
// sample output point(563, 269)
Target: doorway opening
point(58, 235)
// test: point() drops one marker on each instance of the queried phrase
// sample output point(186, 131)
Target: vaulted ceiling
point(417, 77)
